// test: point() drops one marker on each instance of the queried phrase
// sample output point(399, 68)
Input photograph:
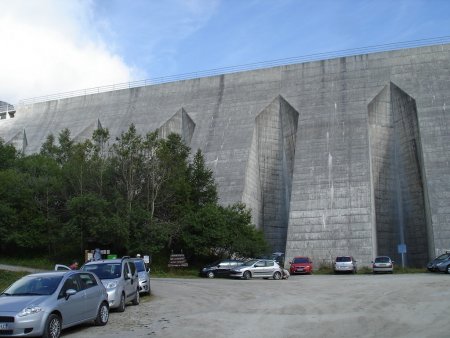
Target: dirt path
point(414, 305)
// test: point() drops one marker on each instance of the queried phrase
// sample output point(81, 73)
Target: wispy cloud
point(52, 46)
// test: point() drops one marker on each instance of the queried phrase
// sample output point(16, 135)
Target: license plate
point(300, 269)
point(3, 326)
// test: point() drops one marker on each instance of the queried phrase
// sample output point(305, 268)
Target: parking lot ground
point(408, 305)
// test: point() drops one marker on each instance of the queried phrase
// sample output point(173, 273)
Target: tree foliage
point(141, 194)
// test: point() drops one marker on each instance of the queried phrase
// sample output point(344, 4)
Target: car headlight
point(30, 310)
point(111, 285)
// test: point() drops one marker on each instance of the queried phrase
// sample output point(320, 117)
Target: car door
point(223, 269)
point(71, 308)
point(270, 268)
point(92, 293)
point(259, 269)
point(129, 288)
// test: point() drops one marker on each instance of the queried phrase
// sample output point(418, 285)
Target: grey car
point(345, 264)
point(440, 263)
point(120, 278)
point(383, 264)
point(143, 274)
point(257, 268)
point(43, 304)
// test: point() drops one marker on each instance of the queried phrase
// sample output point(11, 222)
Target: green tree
point(8, 155)
point(204, 189)
point(127, 163)
point(45, 182)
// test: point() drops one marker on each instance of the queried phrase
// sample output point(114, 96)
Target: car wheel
point(137, 299)
point(102, 315)
point(277, 275)
point(52, 327)
point(247, 275)
point(448, 269)
point(121, 307)
point(210, 274)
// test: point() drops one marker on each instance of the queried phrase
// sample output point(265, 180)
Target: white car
point(383, 264)
point(262, 268)
point(345, 264)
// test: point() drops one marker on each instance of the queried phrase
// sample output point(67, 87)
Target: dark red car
point(301, 265)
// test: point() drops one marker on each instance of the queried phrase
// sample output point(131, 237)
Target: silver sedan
point(262, 268)
point(43, 304)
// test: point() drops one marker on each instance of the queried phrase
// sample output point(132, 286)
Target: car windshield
point(140, 266)
point(34, 286)
point(250, 263)
point(443, 257)
point(300, 260)
point(343, 259)
point(382, 260)
point(105, 270)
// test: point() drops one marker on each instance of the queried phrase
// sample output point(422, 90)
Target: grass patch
point(399, 269)
point(36, 263)
point(9, 277)
point(174, 273)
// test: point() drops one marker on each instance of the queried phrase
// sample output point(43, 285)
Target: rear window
point(140, 266)
point(343, 259)
point(382, 260)
point(105, 270)
point(300, 260)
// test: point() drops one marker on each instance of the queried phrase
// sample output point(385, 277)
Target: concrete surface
point(415, 305)
point(310, 147)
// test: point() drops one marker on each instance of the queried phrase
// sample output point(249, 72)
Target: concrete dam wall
point(347, 156)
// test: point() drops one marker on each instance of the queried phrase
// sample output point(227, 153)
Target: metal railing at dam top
point(240, 68)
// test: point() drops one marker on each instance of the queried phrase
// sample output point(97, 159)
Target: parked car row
point(43, 304)
point(270, 268)
point(254, 268)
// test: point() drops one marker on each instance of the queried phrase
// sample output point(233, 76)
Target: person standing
point(74, 265)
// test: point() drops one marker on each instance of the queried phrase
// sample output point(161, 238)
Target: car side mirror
point(70, 292)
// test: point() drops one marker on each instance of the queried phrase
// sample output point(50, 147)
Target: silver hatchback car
point(144, 276)
point(120, 278)
point(383, 264)
point(43, 304)
point(262, 268)
point(345, 264)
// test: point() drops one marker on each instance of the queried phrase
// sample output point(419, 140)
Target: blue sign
point(401, 248)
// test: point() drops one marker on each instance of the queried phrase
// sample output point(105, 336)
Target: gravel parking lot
point(414, 305)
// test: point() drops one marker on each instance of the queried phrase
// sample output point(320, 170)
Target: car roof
point(52, 273)
point(105, 261)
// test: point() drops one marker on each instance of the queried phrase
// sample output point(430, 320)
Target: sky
point(57, 46)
